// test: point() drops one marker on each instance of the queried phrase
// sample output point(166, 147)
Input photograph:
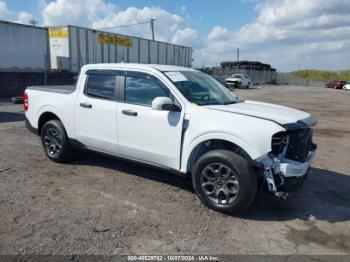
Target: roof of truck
point(139, 66)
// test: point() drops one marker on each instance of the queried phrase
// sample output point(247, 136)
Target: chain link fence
point(257, 76)
point(288, 79)
point(263, 76)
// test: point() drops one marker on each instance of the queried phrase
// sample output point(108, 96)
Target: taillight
point(25, 102)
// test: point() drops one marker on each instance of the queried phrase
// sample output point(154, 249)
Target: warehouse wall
point(29, 48)
point(93, 46)
point(27, 54)
point(23, 47)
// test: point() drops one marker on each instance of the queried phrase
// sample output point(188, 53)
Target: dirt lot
point(101, 205)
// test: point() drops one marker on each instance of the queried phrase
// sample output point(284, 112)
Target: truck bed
point(63, 89)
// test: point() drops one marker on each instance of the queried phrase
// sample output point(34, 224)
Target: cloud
point(285, 33)
point(166, 24)
point(4, 12)
point(24, 17)
point(288, 12)
point(77, 12)
point(218, 33)
point(21, 17)
point(187, 36)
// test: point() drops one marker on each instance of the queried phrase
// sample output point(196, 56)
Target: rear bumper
point(30, 127)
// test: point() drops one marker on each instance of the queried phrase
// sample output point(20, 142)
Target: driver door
point(143, 133)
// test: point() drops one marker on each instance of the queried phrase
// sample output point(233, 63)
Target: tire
point(248, 86)
point(55, 141)
point(240, 184)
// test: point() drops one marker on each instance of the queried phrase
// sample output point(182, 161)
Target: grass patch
point(320, 75)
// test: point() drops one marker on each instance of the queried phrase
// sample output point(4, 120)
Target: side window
point(101, 86)
point(142, 90)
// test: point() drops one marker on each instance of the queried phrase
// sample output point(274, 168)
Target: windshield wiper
point(204, 104)
point(230, 102)
point(218, 104)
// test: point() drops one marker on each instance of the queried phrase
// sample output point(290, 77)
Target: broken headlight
point(279, 143)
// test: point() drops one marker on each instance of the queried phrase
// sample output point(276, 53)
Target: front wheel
point(224, 181)
point(55, 141)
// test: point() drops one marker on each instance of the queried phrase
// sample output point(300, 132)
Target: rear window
point(101, 86)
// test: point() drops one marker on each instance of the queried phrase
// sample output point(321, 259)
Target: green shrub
point(320, 75)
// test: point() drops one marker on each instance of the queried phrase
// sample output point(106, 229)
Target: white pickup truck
point(179, 119)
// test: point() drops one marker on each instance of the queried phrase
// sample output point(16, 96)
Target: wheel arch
point(207, 143)
point(44, 118)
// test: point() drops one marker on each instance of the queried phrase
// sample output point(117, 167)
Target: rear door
point(96, 111)
point(143, 133)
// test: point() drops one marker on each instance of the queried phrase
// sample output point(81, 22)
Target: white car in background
point(238, 80)
point(346, 86)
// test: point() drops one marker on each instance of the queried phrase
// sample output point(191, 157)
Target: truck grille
point(300, 143)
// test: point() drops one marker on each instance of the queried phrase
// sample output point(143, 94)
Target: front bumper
point(233, 83)
point(292, 168)
point(284, 175)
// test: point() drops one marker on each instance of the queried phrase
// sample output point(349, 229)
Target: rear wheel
point(55, 141)
point(224, 181)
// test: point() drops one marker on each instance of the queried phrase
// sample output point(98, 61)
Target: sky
point(312, 34)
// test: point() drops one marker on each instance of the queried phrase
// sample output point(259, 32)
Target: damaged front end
point(286, 167)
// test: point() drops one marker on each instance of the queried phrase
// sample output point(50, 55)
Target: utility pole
point(237, 54)
point(33, 22)
point(152, 26)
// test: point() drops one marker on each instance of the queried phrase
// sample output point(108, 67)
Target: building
point(72, 46)
point(31, 55)
point(30, 48)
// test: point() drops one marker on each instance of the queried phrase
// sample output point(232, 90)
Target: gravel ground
point(101, 205)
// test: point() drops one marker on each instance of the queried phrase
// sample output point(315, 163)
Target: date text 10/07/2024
point(173, 258)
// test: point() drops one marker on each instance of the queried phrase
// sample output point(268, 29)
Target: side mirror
point(164, 104)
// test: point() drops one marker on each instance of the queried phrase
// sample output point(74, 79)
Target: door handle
point(86, 105)
point(129, 112)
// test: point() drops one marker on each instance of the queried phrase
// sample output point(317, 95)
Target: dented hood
point(285, 116)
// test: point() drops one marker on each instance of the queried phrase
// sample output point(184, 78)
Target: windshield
point(201, 89)
point(237, 76)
